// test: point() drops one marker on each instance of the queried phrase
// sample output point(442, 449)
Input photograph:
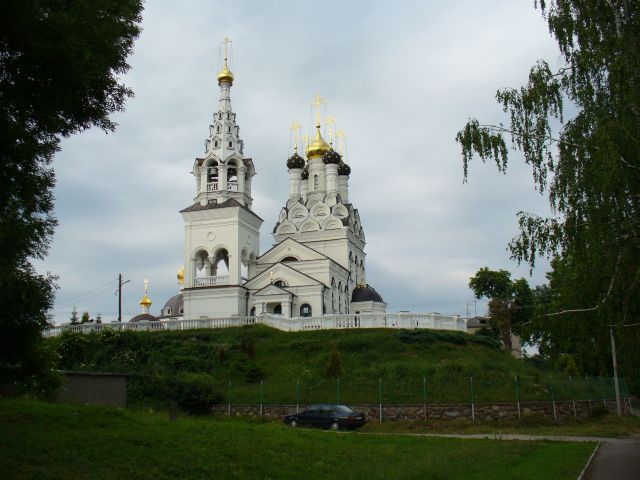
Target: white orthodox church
point(317, 264)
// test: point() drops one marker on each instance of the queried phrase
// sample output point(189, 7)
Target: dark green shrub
point(194, 393)
point(485, 341)
point(73, 349)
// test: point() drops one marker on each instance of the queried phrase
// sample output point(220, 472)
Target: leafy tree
point(577, 127)
point(509, 300)
point(73, 319)
point(86, 318)
point(60, 64)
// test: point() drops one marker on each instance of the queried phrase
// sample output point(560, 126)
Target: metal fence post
point(517, 394)
point(424, 396)
point(297, 395)
point(337, 390)
point(473, 408)
point(573, 397)
point(380, 398)
point(229, 399)
point(553, 399)
point(261, 396)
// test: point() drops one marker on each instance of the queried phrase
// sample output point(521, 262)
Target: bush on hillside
point(426, 337)
point(194, 393)
point(334, 365)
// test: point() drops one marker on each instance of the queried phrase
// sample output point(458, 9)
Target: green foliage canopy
point(578, 129)
point(59, 68)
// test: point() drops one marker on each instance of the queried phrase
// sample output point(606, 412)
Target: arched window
point(289, 259)
point(167, 311)
point(277, 310)
point(316, 181)
point(230, 144)
point(280, 283)
point(217, 128)
point(305, 310)
point(215, 144)
point(227, 115)
point(228, 128)
point(252, 313)
point(181, 311)
point(220, 116)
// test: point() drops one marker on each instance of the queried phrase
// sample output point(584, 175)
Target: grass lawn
point(45, 441)
point(606, 426)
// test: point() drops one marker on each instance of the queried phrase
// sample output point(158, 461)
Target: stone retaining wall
point(558, 410)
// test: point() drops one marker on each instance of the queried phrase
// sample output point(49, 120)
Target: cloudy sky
point(400, 77)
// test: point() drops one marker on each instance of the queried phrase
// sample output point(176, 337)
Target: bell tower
point(221, 231)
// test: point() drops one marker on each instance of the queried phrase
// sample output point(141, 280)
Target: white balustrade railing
point(232, 186)
point(212, 187)
point(210, 281)
point(296, 324)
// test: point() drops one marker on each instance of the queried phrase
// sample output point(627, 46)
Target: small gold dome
point(225, 75)
point(318, 147)
point(146, 301)
point(180, 276)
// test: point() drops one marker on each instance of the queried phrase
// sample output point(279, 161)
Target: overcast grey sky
point(400, 77)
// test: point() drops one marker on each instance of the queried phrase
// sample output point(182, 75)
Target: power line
point(79, 296)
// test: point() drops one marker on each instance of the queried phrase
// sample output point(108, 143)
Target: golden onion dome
point(318, 147)
point(146, 301)
point(225, 75)
point(180, 276)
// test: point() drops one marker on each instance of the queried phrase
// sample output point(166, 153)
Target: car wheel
point(294, 423)
point(335, 426)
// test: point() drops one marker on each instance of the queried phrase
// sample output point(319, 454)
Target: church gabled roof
point(275, 268)
point(272, 289)
point(284, 245)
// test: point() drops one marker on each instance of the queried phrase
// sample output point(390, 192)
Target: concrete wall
point(94, 388)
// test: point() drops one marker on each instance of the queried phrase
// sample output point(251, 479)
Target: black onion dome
point(305, 173)
point(365, 293)
point(344, 169)
point(295, 161)
point(331, 157)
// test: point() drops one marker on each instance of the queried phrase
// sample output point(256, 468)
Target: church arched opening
point(305, 310)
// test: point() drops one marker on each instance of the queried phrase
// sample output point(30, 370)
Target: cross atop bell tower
point(224, 172)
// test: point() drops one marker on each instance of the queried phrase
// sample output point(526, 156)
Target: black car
point(327, 415)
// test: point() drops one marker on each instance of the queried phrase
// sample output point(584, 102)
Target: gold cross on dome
point(226, 42)
point(296, 125)
point(319, 100)
point(146, 285)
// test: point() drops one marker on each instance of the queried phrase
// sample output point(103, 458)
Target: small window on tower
point(227, 115)
point(229, 129)
point(218, 128)
point(230, 144)
point(315, 181)
point(215, 144)
point(220, 116)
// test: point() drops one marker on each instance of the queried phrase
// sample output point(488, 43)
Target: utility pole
point(615, 372)
point(120, 283)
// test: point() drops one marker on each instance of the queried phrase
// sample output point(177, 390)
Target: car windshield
point(343, 409)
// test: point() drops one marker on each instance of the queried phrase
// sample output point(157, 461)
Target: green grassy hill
point(257, 363)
